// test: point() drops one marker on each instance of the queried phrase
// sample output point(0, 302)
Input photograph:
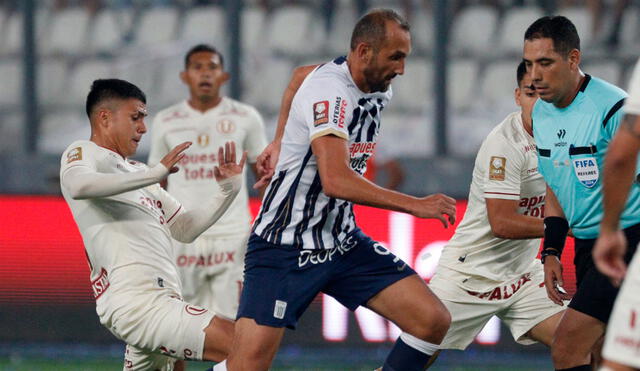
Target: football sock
point(576, 368)
point(409, 354)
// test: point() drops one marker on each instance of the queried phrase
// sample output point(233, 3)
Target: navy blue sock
point(405, 358)
point(576, 368)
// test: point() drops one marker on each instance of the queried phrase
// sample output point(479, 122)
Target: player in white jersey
point(622, 344)
point(211, 267)
point(305, 239)
point(127, 222)
point(489, 266)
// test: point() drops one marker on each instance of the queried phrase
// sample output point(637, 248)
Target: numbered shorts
point(622, 343)
point(157, 327)
point(211, 272)
point(595, 294)
point(281, 281)
point(521, 304)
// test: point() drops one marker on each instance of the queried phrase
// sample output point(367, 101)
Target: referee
point(574, 120)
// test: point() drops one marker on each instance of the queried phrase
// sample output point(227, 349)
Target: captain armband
point(555, 234)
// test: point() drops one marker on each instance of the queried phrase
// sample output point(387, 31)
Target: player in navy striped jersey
point(305, 239)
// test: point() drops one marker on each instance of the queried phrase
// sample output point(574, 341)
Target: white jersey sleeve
point(502, 164)
point(80, 176)
point(256, 139)
point(159, 147)
point(324, 108)
point(632, 105)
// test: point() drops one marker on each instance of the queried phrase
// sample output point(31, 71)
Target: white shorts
point(157, 327)
point(521, 304)
point(211, 271)
point(622, 342)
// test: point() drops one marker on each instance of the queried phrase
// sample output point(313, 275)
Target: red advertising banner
point(42, 259)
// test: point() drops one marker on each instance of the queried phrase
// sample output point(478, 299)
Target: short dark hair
point(105, 89)
point(557, 28)
point(522, 70)
point(371, 28)
point(202, 48)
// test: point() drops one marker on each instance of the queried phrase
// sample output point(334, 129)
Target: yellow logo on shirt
point(497, 168)
point(74, 155)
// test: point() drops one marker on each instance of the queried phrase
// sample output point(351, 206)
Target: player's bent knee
point(432, 327)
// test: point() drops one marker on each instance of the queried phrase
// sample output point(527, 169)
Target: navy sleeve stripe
point(612, 112)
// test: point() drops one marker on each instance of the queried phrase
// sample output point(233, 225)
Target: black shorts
point(595, 294)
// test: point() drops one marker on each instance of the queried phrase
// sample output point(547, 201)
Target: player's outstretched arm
point(83, 182)
point(267, 160)
point(619, 172)
point(190, 224)
point(506, 222)
point(340, 181)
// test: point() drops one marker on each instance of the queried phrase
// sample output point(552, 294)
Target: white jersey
point(295, 210)
point(230, 120)
point(506, 167)
point(632, 104)
point(126, 236)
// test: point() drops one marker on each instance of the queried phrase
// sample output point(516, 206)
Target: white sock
point(222, 366)
point(417, 344)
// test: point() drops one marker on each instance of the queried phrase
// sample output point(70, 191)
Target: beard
point(375, 81)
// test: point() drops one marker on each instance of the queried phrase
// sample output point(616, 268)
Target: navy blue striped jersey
point(295, 210)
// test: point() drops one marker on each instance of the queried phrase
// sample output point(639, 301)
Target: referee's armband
point(555, 234)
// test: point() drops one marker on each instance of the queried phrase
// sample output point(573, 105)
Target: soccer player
point(211, 267)
point(623, 332)
point(127, 222)
point(489, 266)
point(305, 239)
point(574, 120)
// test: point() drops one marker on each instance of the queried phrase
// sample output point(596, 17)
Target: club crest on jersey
point(194, 310)
point(203, 140)
point(226, 126)
point(74, 155)
point(586, 169)
point(497, 168)
point(320, 113)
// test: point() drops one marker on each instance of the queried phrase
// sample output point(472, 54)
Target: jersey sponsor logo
point(534, 206)
point(225, 126)
point(339, 111)
point(100, 284)
point(74, 155)
point(586, 169)
point(362, 148)
point(176, 115)
point(206, 261)
point(191, 170)
point(497, 168)
point(504, 292)
point(320, 113)
point(203, 140)
point(194, 310)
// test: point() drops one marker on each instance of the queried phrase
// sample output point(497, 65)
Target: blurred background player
point(489, 266)
point(127, 222)
point(305, 239)
point(211, 267)
point(575, 118)
point(621, 166)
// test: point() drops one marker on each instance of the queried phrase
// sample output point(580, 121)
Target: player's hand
point(435, 207)
point(553, 280)
point(266, 164)
point(227, 166)
point(608, 255)
point(174, 156)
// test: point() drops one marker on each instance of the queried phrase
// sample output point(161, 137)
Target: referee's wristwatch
point(547, 252)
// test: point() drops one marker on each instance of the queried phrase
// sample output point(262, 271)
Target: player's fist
point(227, 166)
point(174, 156)
point(266, 164)
point(553, 280)
point(435, 207)
point(608, 255)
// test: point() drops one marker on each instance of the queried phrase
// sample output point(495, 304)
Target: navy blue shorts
point(280, 281)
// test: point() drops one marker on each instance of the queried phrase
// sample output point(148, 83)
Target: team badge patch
point(586, 170)
point(497, 168)
point(74, 155)
point(320, 113)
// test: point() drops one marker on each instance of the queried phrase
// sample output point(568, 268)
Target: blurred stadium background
point(458, 84)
